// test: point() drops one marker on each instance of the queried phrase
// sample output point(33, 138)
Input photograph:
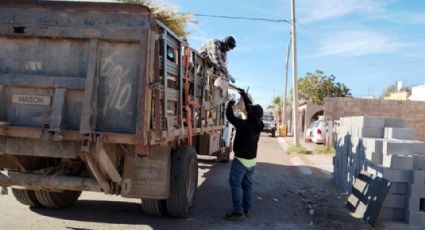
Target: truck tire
point(57, 199)
point(154, 207)
point(184, 182)
point(26, 197)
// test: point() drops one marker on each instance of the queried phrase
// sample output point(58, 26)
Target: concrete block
point(397, 214)
point(394, 201)
point(416, 203)
point(369, 122)
point(397, 161)
point(393, 175)
point(374, 144)
point(399, 133)
point(345, 121)
point(416, 190)
point(403, 147)
point(415, 218)
point(368, 132)
point(418, 176)
point(400, 188)
point(374, 157)
point(356, 142)
point(394, 122)
point(418, 161)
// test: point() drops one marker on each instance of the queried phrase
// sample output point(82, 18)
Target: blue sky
point(366, 44)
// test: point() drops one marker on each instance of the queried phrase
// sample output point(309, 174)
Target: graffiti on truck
point(118, 94)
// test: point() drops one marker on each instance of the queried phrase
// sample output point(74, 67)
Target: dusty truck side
point(102, 97)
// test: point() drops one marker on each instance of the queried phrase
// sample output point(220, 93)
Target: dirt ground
point(291, 191)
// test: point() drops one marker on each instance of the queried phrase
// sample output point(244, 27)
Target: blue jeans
point(240, 180)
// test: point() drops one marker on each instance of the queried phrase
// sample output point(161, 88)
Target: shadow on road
point(283, 199)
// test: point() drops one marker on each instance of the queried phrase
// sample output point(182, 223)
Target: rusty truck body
point(102, 97)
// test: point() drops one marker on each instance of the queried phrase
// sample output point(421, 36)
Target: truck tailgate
point(73, 66)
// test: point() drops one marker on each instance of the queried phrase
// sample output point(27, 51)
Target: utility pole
point(294, 74)
point(285, 95)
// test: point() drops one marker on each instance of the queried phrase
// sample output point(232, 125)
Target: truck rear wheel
point(57, 199)
point(184, 182)
point(154, 207)
point(26, 197)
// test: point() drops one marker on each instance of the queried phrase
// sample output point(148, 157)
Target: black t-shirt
point(247, 132)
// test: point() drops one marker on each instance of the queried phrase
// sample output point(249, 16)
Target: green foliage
point(393, 88)
point(277, 101)
point(389, 90)
point(298, 149)
point(168, 15)
point(324, 149)
point(316, 86)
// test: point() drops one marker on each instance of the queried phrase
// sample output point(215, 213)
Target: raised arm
point(245, 97)
point(235, 121)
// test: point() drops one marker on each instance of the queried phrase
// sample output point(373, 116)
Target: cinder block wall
point(412, 112)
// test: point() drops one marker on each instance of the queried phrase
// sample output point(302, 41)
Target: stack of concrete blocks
point(384, 148)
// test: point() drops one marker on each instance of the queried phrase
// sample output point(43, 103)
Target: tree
point(393, 88)
point(168, 15)
point(389, 90)
point(276, 108)
point(316, 86)
point(277, 101)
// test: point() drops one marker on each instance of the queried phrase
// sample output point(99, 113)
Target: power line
point(242, 18)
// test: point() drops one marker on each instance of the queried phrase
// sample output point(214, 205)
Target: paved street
point(291, 192)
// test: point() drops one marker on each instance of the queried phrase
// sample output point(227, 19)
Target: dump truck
point(103, 97)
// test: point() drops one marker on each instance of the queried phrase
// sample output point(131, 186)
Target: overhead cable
point(242, 18)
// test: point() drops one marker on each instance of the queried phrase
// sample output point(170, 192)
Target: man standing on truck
point(216, 51)
point(245, 149)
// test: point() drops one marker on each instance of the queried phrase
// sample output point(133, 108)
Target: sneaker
point(247, 214)
point(235, 216)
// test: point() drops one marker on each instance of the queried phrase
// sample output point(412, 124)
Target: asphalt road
point(290, 192)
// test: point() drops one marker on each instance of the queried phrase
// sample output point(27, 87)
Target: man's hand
point(241, 91)
point(231, 103)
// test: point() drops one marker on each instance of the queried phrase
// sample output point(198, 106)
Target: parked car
point(316, 132)
point(269, 124)
point(308, 133)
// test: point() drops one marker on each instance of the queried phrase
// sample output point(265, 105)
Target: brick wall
point(413, 112)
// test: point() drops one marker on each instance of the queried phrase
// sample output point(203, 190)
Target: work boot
point(247, 214)
point(235, 216)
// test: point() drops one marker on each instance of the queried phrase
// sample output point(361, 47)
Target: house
point(402, 95)
point(418, 93)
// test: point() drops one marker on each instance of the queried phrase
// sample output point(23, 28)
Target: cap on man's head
point(256, 111)
point(230, 42)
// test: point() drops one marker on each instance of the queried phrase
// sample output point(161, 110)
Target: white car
point(316, 133)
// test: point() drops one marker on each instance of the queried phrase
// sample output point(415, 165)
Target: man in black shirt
point(245, 149)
